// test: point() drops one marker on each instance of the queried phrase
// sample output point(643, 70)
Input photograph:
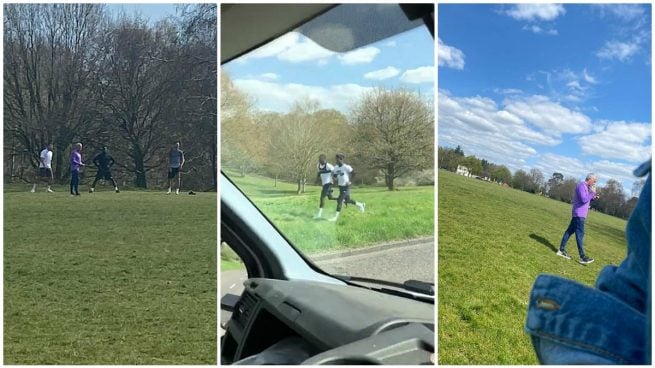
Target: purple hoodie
point(581, 200)
point(76, 160)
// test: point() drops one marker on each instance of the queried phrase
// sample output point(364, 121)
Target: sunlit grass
point(109, 278)
point(492, 244)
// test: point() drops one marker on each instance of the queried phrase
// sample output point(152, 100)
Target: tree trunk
point(139, 168)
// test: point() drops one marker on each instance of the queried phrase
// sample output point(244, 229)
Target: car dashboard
point(307, 322)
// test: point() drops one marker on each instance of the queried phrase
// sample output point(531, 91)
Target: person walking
point(103, 162)
point(584, 193)
point(45, 168)
point(76, 164)
point(343, 173)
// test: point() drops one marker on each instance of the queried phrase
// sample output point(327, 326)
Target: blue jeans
point(75, 181)
point(571, 323)
point(575, 226)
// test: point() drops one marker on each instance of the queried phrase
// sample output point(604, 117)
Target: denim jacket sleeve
point(570, 323)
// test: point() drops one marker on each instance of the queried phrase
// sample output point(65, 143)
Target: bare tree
point(49, 69)
point(394, 132)
point(136, 91)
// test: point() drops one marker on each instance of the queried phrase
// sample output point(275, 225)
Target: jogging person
point(76, 164)
point(584, 193)
point(45, 168)
point(325, 174)
point(175, 164)
point(343, 173)
point(103, 162)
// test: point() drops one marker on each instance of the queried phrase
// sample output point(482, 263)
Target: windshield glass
point(332, 138)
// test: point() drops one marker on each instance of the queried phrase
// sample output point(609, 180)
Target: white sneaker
point(50, 190)
point(361, 206)
point(177, 191)
point(32, 191)
point(316, 217)
point(563, 254)
point(333, 219)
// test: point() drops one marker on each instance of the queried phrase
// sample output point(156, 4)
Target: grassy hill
point(402, 214)
point(492, 244)
point(109, 278)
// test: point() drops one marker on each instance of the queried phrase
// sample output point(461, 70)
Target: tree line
point(613, 199)
point(389, 134)
point(77, 73)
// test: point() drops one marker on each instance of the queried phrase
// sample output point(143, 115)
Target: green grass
point(109, 278)
point(402, 214)
point(493, 242)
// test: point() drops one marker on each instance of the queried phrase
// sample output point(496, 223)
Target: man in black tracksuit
point(103, 162)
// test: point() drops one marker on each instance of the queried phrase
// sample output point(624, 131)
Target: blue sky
point(563, 88)
point(152, 12)
point(293, 68)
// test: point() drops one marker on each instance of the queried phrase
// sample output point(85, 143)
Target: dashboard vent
point(245, 308)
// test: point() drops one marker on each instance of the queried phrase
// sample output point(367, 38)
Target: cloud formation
point(536, 12)
point(449, 56)
point(382, 74)
point(423, 74)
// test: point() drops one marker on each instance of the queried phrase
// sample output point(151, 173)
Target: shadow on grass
point(544, 241)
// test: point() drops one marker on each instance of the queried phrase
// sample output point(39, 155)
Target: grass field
point(492, 244)
point(109, 278)
point(402, 214)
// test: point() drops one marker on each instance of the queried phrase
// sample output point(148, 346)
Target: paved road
point(396, 263)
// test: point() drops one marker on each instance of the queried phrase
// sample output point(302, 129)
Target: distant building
point(463, 170)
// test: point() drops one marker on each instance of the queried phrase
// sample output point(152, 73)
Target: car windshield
point(329, 130)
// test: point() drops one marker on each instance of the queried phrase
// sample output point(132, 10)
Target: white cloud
point(270, 76)
point(573, 168)
point(292, 47)
point(271, 96)
point(625, 12)
point(619, 140)
point(588, 78)
point(363, 55)
point(449, 56)
point(381, 74)
point(622, 51)
point(424, 74)
point(484, 129)
point(550, 116)
point(534, 12)
point(538, 30)
point(570, 167)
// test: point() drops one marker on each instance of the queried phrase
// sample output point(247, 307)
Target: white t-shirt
point(343, 174)
point(326, 173)
point(46, 158)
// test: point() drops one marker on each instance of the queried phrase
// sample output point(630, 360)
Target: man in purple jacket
point(76, 164)
point(585, 191)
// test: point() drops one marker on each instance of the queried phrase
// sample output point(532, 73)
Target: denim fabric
point(571, 323)
point(575, 226)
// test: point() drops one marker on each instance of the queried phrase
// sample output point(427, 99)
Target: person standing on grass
point(584, 193)
point(343, 173)
point(175, 164)
point(45, 168)
point(325, 174)
point(103, 162)
point(76, 165)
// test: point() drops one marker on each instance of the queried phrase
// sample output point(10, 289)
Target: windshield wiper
point(409, 285)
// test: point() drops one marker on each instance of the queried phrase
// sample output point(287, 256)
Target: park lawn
point(109, 278)
point(405, 213)
point(492, 244)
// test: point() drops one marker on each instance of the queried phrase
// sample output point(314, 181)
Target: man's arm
point(585, 194)
point(181, 159)
point(96, 160)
